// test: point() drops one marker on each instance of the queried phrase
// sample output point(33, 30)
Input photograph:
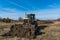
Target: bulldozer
point(31, 23)
point(29, 28)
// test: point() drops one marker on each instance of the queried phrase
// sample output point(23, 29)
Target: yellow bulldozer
point(29, 28)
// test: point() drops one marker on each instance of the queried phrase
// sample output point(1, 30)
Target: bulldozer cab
point(30, 18)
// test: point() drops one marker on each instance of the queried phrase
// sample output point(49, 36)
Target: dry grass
point(52, 32)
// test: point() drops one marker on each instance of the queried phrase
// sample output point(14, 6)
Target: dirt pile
point(21, 31)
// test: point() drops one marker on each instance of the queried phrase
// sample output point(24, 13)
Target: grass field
point(52, 32)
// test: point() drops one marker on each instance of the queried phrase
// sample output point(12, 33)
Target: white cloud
point(48, 13)
point(11, 13)
point(17, 4)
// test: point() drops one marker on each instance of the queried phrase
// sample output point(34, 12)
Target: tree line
point(6, 20)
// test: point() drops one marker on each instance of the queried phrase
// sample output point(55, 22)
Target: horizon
point(44, 9)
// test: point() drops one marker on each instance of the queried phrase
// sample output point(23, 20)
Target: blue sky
point(44, 9)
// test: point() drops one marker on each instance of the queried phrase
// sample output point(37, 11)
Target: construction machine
point(30, 19)
point(30, 22)
point(29, 28)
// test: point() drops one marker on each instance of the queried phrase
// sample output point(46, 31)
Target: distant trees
point(0, 19)
point(7, 20)
point(20, 19)
point(58, 19)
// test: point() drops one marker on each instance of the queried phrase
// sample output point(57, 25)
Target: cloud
point(53, 13)
point(17, 5)
point(11, 13)
point(54, 5)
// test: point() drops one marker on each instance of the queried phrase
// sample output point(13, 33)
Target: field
point(52, 32)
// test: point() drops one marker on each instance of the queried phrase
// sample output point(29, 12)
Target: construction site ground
point(52, 32)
